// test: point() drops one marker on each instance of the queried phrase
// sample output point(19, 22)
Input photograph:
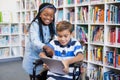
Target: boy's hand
point(66, 66)
point(48, 51)
point(45, 66)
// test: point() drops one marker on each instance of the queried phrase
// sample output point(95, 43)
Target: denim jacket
point(33, 47)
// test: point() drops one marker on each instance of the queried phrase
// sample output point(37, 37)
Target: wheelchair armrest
point(77, 65)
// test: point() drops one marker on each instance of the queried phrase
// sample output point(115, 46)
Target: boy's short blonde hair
point(64, 25)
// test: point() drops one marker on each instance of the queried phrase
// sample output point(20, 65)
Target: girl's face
point(64, 37)
point(47, 16)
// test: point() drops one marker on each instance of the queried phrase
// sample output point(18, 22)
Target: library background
point(96, 22)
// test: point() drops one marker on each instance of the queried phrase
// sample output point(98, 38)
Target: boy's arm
point(67, 62)
point(78, 57)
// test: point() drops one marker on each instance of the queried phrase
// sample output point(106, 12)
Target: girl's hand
point(66, 66)
point(48, 51)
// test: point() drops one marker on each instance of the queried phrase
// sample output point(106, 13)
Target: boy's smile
point(64, 37)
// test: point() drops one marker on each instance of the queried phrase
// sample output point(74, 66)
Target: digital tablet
point(55, 66)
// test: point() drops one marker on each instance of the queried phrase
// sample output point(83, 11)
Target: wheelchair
point(76, 76)
point(77, 65)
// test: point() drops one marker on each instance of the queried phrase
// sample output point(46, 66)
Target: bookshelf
point(97, 22)
point(10, 32)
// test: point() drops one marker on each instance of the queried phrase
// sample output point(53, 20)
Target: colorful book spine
point(118, 36)
point(112, 35)
point(0, 16)
point(96, 54)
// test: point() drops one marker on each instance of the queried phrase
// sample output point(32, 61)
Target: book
point(118, 36)
point(60, 15)
point(55, 66)
point(0, 16)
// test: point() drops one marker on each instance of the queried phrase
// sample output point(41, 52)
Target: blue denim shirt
point(34, 47)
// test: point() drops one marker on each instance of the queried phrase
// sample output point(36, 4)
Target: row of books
point(82, 1)
point(15, 39)
point(113, 35)
point(113, 14)
point(96, 0)
point(6, 29)
point(27, 16)
point(60, 15)
point(82, 15)
point(111, 75)
point(96, 54)
point(34, 4)
point(112, 0)
point(97, 33)
point(24, 28)
point(97, 14)
point(60, 3)
point(71, 15)
point(112, 58)
point(4, 52)
point(31, 4)
point(4, 40)
point(96, 73)
point(14, 29)
point(5, 16)
point(8, 17)
point(70, 1)
point(82, 32)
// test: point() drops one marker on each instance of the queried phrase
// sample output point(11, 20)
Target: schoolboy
point(66, 49)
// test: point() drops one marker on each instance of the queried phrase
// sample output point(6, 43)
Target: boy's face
point(47, 16)
point(64, 37)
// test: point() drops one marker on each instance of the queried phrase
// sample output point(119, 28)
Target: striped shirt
point(64, 52)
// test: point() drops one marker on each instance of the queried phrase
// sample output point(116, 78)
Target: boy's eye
point(62, 36)
point(65, 35)
point(46, 15)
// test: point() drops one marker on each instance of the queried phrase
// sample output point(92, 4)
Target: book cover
point(0, 16)
point(118, 35)
point(114, 58)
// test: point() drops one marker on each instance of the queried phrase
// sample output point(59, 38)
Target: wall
point(8, 5)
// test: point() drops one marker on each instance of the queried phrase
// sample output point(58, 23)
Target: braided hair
point(51, 25)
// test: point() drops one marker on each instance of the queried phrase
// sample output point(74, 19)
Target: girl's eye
point(48, 15)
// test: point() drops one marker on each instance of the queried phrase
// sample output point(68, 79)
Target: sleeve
point(78, 48)
point(51, 44)
point(35, 37)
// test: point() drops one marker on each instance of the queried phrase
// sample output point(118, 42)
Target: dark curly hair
point(51, 25)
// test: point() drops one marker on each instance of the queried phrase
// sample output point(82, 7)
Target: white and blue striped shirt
point(64, 52)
